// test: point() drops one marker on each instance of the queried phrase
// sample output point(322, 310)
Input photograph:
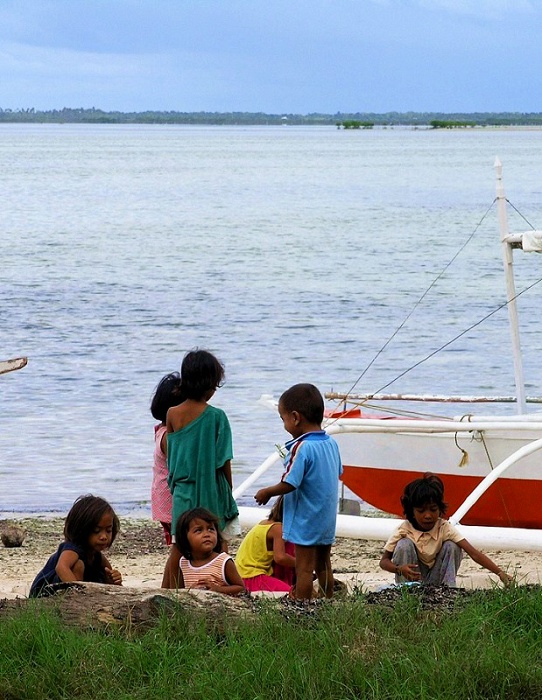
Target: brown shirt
point(428, 543)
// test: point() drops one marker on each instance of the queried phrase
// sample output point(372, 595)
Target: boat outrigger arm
point(11, 365)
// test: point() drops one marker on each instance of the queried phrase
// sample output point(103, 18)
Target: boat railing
point(490, 479)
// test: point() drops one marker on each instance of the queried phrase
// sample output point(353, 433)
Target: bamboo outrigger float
point(11, 365)
point(491, 465)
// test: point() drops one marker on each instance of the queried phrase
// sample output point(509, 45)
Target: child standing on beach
point(425, 547)
point(166, 395)
point(310, 486)
point(203, 564)
point(199, 449)
point(89, 529)
point(264, 560)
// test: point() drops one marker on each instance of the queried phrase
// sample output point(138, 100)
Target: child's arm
point(173, 577)
point(279, 550)
point(235, 583)
point(263, 495)
point(409, 571)
point(482, 559)
point(112, 575)
point(66, 564)
point(227, 473)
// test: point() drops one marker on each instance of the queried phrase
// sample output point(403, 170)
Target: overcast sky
point(275, 56)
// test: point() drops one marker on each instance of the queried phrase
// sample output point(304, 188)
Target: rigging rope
point(460, 335)
point(425, 293)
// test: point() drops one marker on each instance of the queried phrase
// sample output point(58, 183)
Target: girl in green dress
point(199, 450)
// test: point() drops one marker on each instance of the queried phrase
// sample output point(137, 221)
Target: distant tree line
point(450, 124)
point(358, 120)
point(353, 124)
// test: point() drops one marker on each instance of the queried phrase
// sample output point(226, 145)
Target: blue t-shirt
point(313, 466)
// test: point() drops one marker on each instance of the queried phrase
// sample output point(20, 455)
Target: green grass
point(489, 648)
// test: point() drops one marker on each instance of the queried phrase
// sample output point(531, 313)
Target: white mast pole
point(508, 263)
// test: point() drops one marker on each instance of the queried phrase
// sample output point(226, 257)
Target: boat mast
point(508, 263)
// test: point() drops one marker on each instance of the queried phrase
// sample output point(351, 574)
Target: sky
point(273, 56)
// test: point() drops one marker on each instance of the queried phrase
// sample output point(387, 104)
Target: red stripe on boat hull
point(507, 503)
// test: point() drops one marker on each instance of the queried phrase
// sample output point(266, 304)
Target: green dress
point(195, 457)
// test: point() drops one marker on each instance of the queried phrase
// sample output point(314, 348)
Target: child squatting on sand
point(203, 564)
point(425, 547)
point(310, 486)
point(89, 529)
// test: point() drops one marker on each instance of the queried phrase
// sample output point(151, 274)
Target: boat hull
point(377, 467)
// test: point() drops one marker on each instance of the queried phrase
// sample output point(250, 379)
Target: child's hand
point(113, 576)
point(262, 496)
point(409, 571)
point(506, 578)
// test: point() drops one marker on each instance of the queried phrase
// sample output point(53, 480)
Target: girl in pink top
point(203, 564)
point(166, 395)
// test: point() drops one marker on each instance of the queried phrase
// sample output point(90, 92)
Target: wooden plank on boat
point(10, 365)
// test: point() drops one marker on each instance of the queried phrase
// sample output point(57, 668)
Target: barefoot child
point(425, 547)
point(262, 558)
point(203, 564)
point(89, 529)
point(310, 486)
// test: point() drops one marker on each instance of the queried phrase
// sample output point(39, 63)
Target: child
point(199, 443)
point(199, 450)
point(166, 395)
point(89, 529)
point(263, 552)
point(425, 547)
point(310, 486)
point(203, 564)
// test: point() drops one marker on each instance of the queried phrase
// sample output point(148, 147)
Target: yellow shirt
point(253, 557)
point(428, 543)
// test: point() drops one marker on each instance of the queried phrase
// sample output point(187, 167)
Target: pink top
point(160, 493)
point(212, 572)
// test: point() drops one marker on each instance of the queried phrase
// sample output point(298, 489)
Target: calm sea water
point(293, 253)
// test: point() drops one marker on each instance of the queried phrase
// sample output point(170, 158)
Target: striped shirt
point(212, 572)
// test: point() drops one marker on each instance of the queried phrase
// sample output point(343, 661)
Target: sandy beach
point(139, 552)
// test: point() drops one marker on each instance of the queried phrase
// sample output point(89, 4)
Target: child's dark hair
point(83, 518)
point(201, 372)
point(276, 511)
point(183, 525)
point(166, 395)
point(427, 489)
point(306, 400)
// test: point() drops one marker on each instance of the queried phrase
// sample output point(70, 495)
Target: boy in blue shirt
point(310, 486)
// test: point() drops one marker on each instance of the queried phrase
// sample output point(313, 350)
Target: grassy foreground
point(489, 648)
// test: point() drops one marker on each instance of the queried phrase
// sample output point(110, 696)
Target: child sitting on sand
point(203, 564)
point(89, 529)
point(425, 547)
point(264, 559)
point(310, 486)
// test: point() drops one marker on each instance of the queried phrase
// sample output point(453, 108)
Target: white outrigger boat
point(491, 465)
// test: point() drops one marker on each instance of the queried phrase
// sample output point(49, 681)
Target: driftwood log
point(100, 606)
